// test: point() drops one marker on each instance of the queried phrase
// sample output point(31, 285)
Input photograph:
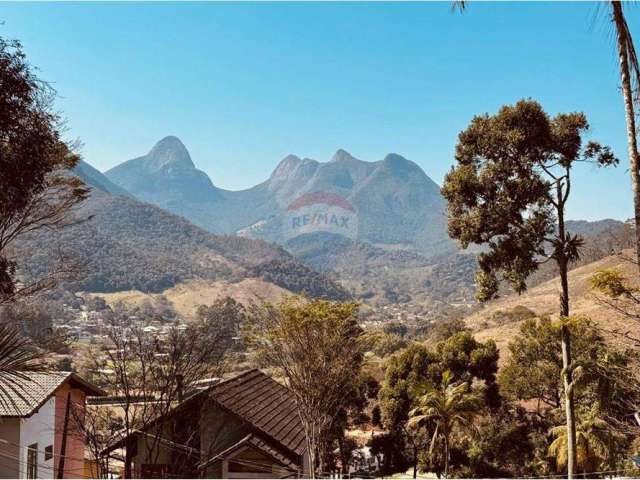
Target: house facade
point(40, 434)
point(243, 427)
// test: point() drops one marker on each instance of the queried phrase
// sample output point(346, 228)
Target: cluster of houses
point(245, 426)
point(88, 326)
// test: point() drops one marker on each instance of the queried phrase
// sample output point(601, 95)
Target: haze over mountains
point(124, 244)
point(396, 204)
point(143, 233)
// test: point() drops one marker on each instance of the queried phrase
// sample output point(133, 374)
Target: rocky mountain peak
point(286, 166)
point(341, 156)
point(169, 151)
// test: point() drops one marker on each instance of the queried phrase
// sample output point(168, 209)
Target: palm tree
point(17, 359)
point(594, 439)
point(450, 406)
point(629, 77)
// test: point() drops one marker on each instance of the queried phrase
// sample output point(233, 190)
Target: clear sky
point(245, 84)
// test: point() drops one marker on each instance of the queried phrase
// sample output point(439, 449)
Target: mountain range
point(392, 203)
point(147, 217)
point(120, 243)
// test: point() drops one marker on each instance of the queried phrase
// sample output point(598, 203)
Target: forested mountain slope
point(124, 244)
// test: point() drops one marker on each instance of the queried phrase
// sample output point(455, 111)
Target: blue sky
point(245, 84)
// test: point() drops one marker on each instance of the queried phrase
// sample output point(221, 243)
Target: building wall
point(219, 430)
point(74, 453)
point(38, 428)
point(9, 451)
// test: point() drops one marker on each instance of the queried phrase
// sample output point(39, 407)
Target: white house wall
point(38, 428)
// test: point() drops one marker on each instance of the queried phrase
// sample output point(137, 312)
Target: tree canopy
point(36, 189)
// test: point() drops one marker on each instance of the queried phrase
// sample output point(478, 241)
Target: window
point(48, 452)
point(32, 461)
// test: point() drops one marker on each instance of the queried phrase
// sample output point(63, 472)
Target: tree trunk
point(127, 459)
point(311, 452)
point(568, 401)
point(415, 461)
point(632, 145)
point(561, 259)
point(446, 455)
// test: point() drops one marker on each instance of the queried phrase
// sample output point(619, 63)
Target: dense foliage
point(35, 192)
point(462, 357)
point(298, 278)
point(129, 245)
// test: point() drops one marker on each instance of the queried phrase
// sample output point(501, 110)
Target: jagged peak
point(286, 165)
point(341, 156)
point(169, 151)
point(395, 161)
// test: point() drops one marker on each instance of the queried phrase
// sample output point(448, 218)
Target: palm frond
point(17, 359)
point(459, 5)
point(632, 56)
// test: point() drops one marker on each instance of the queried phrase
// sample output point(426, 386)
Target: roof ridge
point(236, 377)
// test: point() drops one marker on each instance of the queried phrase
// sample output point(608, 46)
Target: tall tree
point(449, 406)
point(315, 344)
point(36, 190)
point(508, 191)
point(629, 77)
point(630, 80)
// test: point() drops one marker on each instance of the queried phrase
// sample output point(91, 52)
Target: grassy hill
point(185, 297)
point(500, 319)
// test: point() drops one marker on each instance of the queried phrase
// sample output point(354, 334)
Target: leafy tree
point(389, 450)
point(376, 416)
point(533, 369)
point(468, 361)
point(604, 379)
point(337, 446)
point(36, 190)
point(315, 345)
point(395, 328)
point(447, 328)
point(382, 344)
point(223, 318)
point(630, 80)
point(509, 187)
point(509, 442)
point(615, 291)
point(449, 407)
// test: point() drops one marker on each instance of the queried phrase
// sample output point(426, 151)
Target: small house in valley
point(243, 427)
point(40, 433)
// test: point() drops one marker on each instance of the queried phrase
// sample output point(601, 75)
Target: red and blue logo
point(321, 212)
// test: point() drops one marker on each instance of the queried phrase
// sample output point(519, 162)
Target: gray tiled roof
point(21, 396)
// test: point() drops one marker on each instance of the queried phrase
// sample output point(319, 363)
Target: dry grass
point(544, 300)
point(187, 296)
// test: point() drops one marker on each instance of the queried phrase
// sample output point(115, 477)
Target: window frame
point(32, 460)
